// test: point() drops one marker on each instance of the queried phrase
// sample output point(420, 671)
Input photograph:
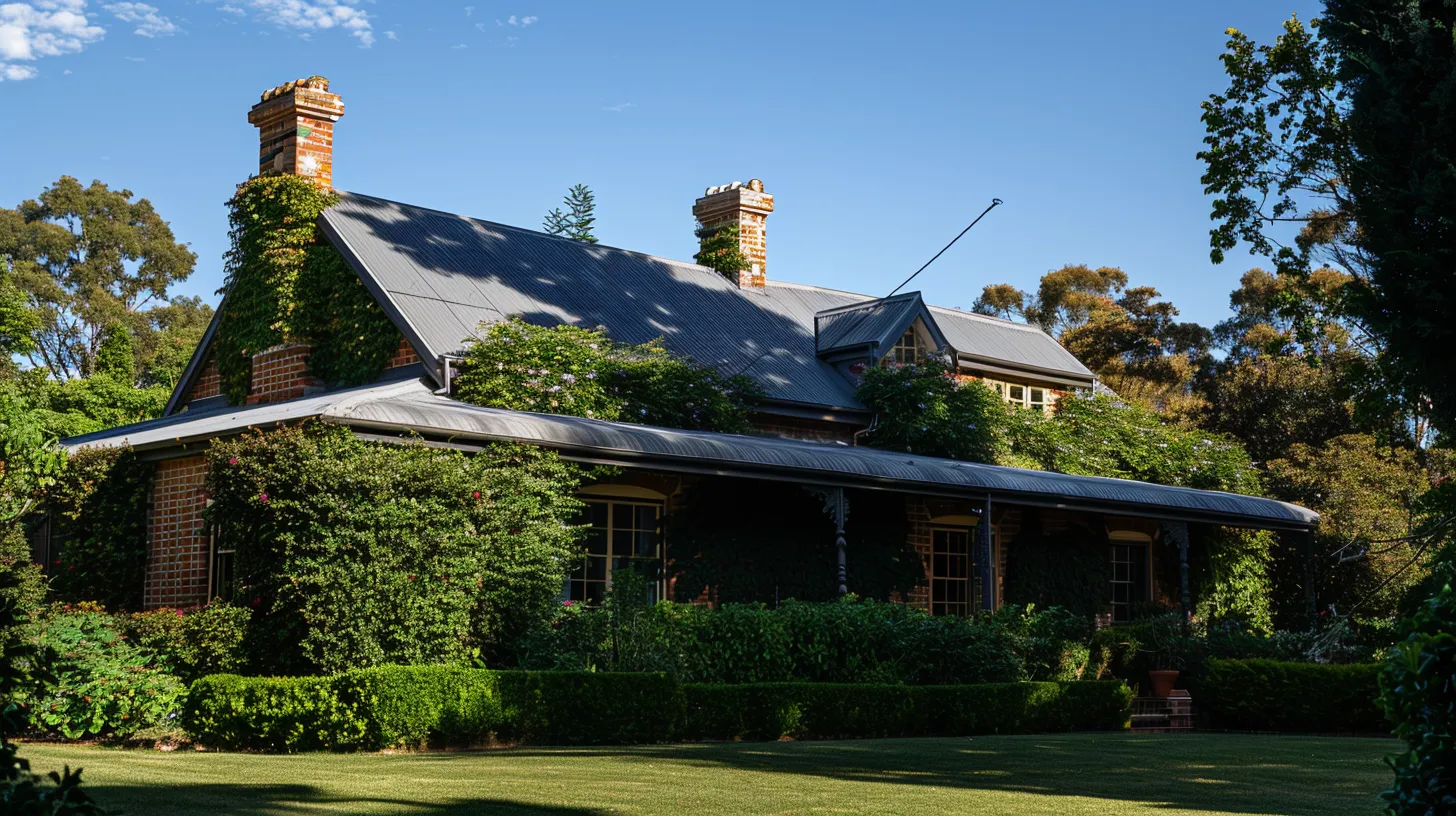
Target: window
point(950, 571)
point(220, 572)
point(907, 348)
point(1026, 396)
point(622, 534)
point(1129, 579)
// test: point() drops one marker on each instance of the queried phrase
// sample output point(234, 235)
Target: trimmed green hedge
point(1269, 695)
point(414, 706)
point(828, 711)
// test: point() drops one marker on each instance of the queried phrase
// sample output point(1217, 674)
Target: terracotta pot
point(1163, 681)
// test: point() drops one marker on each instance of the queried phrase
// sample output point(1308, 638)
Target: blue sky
point(881, 129)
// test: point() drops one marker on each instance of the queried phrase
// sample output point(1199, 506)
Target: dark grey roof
point(1014, 345)
point(413, 407)
point(441, 275)
point(445, 274)
point(872, 325)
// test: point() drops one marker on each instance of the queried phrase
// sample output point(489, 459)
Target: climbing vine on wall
point(283, 283)
point(98, 509)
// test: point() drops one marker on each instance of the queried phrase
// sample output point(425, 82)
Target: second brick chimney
point(748, 206)
point(295, 124)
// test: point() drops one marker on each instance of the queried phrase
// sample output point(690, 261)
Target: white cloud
point(461, 45)
point(517, 21)
point(390, 35)
point(149, 22)
point(469, 10)
point(228, 8)
point(42, 28)
point(135, 59)
point(15, 73)
point(305, 16)
point(619, 108)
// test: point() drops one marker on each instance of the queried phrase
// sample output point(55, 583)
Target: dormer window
point(907, 348)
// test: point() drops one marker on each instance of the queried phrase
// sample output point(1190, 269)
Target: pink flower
point(179, 613)
point(411, 577)
point(263, 497)
point(257, 602)
point(566, 603)
point(233, 460)
point(475, 495)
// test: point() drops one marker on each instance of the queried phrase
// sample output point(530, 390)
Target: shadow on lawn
point(257, 800)
point(1266, 775)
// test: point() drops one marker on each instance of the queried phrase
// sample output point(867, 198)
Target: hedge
point(1270, 695)
point(829, 711)
point(416, 706)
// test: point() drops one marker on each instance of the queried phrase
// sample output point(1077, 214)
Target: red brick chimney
point(295, 124)
point(748, 206)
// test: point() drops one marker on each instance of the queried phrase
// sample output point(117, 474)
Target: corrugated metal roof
point(412, 406)
point(444, 274)
point(1016, 344)
point(874, 324)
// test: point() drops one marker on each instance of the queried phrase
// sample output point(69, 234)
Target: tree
point(1367, 494)
point(87, 257)
point(1128, 337)
point(720, 248)
point(1396, 66)
point(576, 223)
point(924, 408)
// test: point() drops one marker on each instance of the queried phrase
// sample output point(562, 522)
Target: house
point(440, 276)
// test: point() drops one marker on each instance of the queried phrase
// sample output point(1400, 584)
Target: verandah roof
point(412, 407)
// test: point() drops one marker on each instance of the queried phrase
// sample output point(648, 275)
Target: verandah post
point(988, 593)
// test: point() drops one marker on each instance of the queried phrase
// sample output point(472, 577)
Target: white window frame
point(908, 348)
point(966, 582)
point(1135, 546)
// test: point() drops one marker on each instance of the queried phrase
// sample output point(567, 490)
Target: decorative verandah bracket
point(837, 506)
point(1176, 533)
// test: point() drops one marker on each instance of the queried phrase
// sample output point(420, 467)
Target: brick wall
point(748, 206)
point(404, 355)
point(807, 430)
point(295, 124)
point(177, 546)
point(209, 382)
point(281, 373)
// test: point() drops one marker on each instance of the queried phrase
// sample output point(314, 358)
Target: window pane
point(596, 568)
point(1017, 392)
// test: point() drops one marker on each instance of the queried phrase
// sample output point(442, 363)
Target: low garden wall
point(417, 706)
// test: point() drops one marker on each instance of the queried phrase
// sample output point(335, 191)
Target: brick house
point(440, 276)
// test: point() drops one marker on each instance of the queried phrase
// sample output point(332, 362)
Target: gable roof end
point(871, 327)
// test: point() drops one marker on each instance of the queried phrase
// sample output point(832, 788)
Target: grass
point(1021, 775)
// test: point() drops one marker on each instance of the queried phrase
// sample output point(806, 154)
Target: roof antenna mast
point(995, 202)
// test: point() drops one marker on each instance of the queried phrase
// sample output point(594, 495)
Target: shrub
point(356, 554)
point(195, 642)
point(99, 510)
point(103, 685)
point(1270, 695)
point(1418, 685)
point(414, 706)
point(924, 408)
point(282, 714)
point(582, 372)
point(829, 711)
point(847, 641)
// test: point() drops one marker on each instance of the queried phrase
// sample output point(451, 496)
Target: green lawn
point(1053, 774)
